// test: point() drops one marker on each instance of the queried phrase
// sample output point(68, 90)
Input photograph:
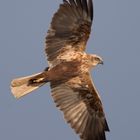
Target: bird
point(69, 71)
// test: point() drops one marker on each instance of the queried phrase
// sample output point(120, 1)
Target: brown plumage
point(69, 68)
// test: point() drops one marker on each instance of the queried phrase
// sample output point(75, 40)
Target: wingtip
point(90, 8)
point(85, 5)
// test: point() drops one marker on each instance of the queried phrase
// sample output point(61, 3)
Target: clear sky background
point(115, 36)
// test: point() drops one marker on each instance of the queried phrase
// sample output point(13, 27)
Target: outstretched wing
point(82, 107)
point(70, 29)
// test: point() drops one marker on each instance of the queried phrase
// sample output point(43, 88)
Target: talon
point(46, 69)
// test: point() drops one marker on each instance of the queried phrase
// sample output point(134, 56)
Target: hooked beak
point(101, 62)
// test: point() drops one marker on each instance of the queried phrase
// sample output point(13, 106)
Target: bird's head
point(95, 60)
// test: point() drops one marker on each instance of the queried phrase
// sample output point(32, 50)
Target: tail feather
point(22, 86)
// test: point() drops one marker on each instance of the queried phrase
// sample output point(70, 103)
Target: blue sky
point(115, 36)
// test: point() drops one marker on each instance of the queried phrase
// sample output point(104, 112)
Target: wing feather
point(90, 8)
point(82, 107)
point(85, 7)
point(70, 26)
point(80, 121)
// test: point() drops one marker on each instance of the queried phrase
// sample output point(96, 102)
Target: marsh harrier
point(69, 69)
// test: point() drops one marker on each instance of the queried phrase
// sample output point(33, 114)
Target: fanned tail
point(24, 85)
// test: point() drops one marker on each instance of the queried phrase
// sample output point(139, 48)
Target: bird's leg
point(46, 69)
point(41, 78)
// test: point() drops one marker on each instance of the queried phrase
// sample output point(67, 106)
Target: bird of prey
point(69, 71)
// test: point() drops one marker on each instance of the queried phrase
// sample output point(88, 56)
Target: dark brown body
point(59, 72)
